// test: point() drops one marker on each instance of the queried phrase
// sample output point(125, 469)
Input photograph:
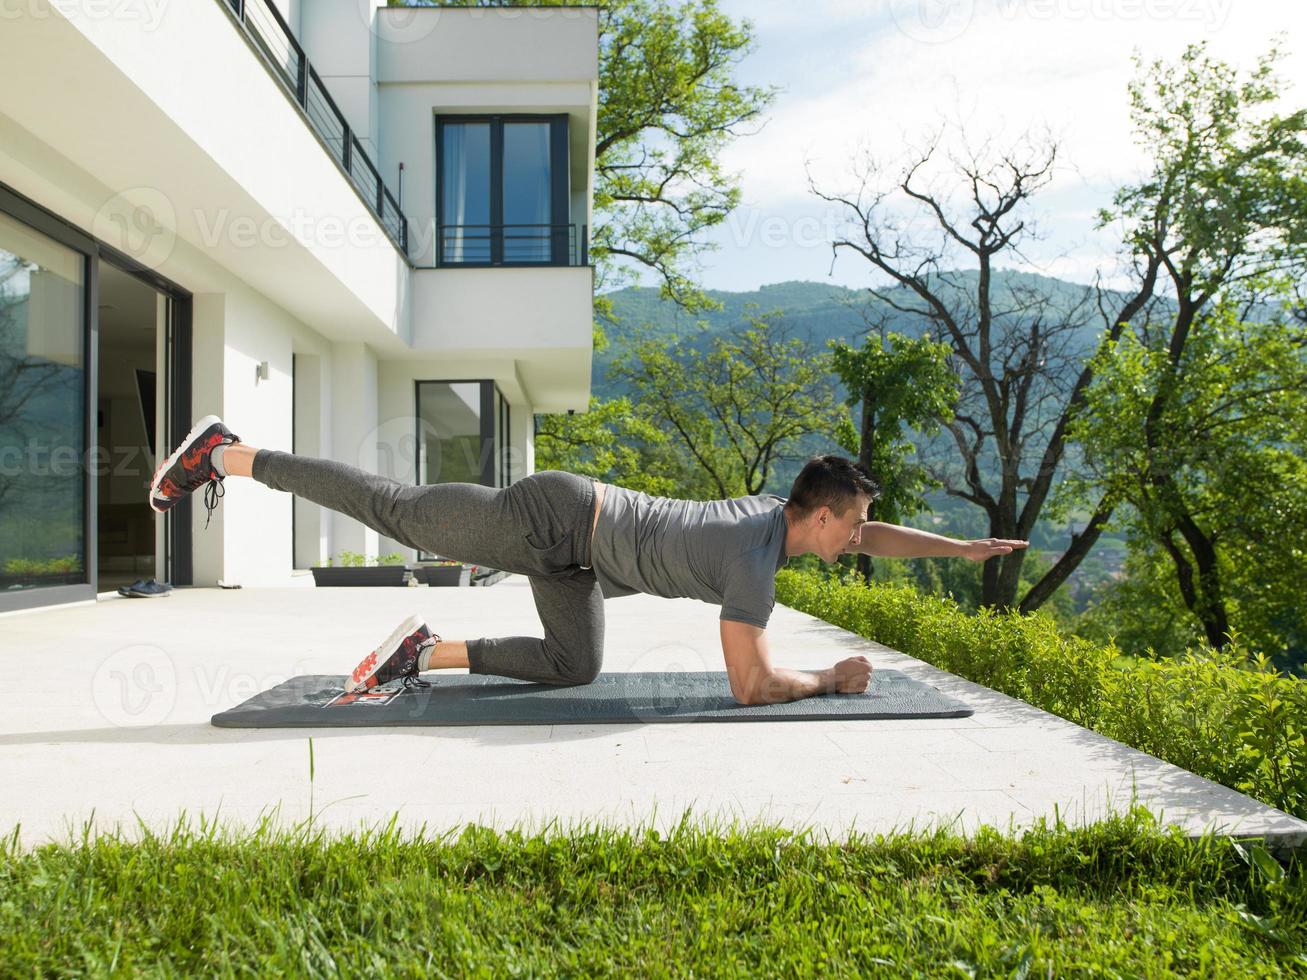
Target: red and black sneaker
point(396, 658)
point(190, 468)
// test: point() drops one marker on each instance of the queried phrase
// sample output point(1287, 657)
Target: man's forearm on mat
point(783, 684)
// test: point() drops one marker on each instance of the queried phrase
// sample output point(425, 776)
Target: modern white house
point(351, 230)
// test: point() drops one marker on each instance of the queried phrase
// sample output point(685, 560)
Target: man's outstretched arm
point(755, 681)
point(895, 541)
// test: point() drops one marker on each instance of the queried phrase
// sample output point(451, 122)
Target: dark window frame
point(559, 187)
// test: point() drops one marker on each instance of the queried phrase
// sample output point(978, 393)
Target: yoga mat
point(319, 701)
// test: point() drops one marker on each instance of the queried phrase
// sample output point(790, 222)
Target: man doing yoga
point(579, 541)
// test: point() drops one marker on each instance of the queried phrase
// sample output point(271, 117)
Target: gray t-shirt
point(726, 552)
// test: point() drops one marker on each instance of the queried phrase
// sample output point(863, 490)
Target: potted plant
point(444, 571)
point(355, 569)
point(487, 576)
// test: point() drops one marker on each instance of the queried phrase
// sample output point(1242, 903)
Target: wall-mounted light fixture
point(261, 372)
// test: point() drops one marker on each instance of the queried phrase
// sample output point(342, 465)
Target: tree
point(1222, 218)
point(894, 381)
point(1011, 352)
point(737, 408)
point(1230, 514)
point(611, 442)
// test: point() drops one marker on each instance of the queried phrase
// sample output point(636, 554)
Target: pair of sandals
point(145, 589)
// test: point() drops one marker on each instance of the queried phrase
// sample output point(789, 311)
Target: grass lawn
point(1117, 898)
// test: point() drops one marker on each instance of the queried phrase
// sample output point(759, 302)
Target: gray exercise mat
point(319, 701)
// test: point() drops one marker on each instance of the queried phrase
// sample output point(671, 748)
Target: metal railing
point(270, 33)
point(512, 244)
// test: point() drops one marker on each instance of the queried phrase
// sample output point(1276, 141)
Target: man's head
point(828, 503)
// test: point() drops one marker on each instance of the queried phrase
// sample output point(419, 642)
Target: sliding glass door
point(43, 438)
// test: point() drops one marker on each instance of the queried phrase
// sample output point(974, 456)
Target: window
point(503, 191)
point(462, 434)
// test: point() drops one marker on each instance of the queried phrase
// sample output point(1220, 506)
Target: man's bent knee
point(584, 672)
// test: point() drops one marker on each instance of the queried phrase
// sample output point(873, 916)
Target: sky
point(873, 78)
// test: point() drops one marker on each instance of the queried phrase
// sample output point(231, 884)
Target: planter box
point(366, 575)
point(443, 575)
point(488, 576)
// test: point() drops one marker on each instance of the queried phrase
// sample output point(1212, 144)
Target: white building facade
point(354, 231)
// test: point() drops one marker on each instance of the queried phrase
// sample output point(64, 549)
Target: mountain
point(823, 312)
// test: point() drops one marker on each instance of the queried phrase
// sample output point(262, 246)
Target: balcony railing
point(270, 33)
point(523, 244)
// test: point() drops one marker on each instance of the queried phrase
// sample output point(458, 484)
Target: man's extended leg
point(475, 524)
point(465, 521)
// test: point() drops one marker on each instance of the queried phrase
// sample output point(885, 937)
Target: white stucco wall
point(226, 145)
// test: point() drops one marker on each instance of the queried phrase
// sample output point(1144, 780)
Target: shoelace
point(413, 680)
point(213, 490)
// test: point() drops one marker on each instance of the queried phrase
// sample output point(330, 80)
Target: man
point(580, 541)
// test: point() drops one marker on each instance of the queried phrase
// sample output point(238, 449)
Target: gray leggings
point(538, 527)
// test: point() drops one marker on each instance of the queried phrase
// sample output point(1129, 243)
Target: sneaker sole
point(167, 464)
point(402, 630)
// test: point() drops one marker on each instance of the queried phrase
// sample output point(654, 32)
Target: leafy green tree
point(1221, 221)
point(1208, 451)
point(894, 381)
point(737, 408)
point(611, 442)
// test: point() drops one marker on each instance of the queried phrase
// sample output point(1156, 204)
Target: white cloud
point(873, 75)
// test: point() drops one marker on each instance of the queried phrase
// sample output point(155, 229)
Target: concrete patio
point(112, 721)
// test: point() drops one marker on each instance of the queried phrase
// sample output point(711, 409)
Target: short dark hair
point(832, 481)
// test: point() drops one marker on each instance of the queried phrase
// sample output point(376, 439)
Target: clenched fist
point(852, 675)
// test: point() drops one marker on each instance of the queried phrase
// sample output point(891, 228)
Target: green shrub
point(51, 566)
point(394, 558)
point(1227, 715)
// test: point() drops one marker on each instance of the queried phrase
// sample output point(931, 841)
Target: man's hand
point(983, 548)
point(852, 675)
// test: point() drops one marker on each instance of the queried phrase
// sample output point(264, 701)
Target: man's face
point(840, 532)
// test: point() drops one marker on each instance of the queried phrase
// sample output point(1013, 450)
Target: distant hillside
point(821, 312)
